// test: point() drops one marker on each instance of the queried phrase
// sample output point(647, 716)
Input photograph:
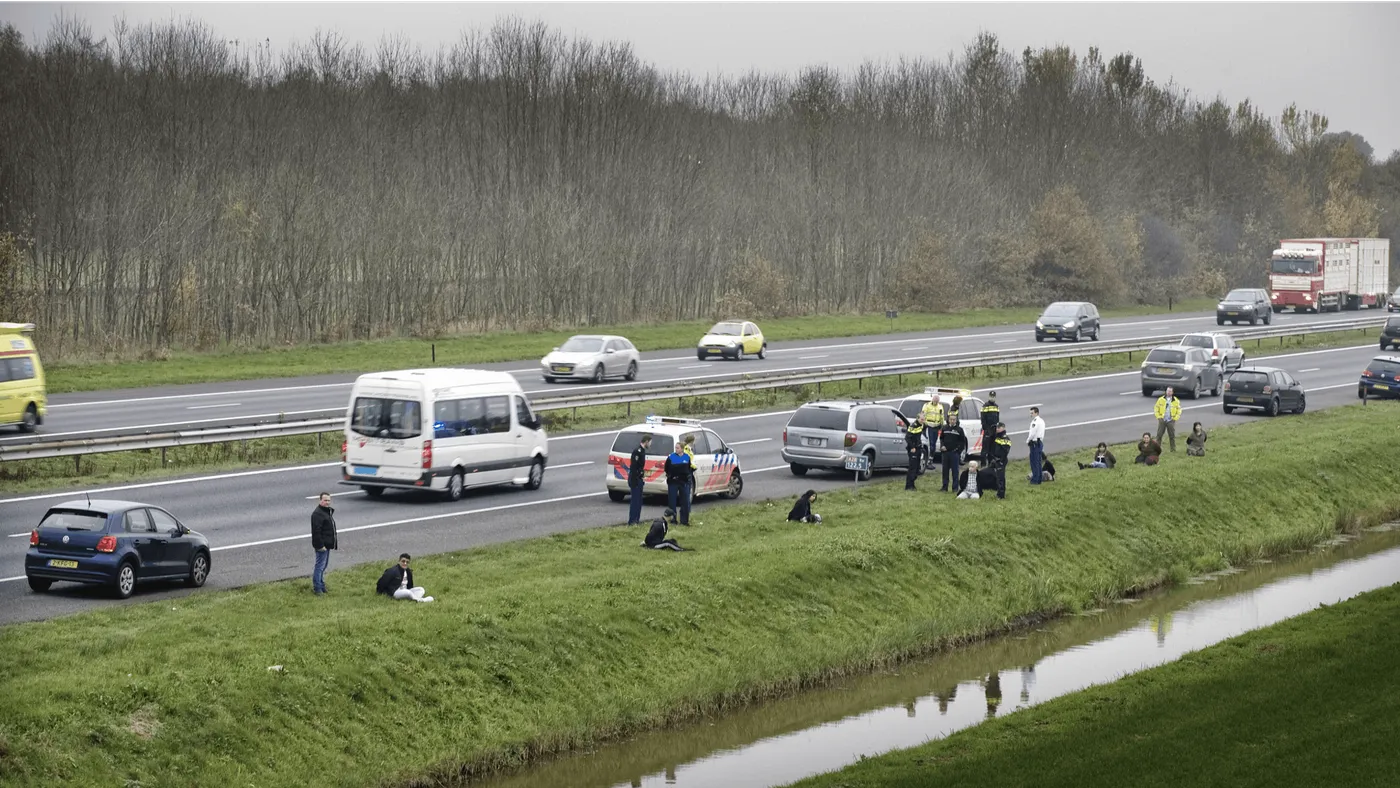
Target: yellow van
point(23, 402)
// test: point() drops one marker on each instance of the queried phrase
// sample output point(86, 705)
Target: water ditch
point(790, 738)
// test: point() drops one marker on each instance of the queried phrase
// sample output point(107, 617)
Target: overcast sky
point(1339, 59)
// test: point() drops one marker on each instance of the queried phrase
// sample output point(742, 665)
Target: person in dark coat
point(656, 537)
point(397, 582)
point(323, 541)
point(1103, 459)
point(976, 482)
point(1000, 455)
point(914, 445)
point(680, 470)
point(636, 479)
point(1149, 450)
point(953, 442)
point(991, 415)
point(802, 510)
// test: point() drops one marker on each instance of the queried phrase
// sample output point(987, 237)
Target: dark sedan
point(1264, 388)
point(113, 543)
point(1381, 378)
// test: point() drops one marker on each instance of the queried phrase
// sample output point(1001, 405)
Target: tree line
point(169, 188)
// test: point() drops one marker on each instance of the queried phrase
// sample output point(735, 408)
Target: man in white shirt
point(1035, 439)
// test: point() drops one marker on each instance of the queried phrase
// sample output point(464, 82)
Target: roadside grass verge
point(1306, 702)
point(551, 644)
point(235, 363)
point(27, 476)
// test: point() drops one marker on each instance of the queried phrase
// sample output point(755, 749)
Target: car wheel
point(455, 485)
point(1096, 333)
point(199, 570)
point(1268, 317)
point(1147, 391)
point(865, 476)
point(797, 470)
point(125, 581)
point(1196, 389)
point(763, 351)
point(632, 371)
point(548, 379)
point(1382, 344)
point(39, 585)
point(30, 421)
point(1361, 392)
point(1302, 403)
point(1228, 410)
point(1219, 383)
point(1078, 335)
point(739, 353)
point(536, 475)
point(1272, 410)
point(700, 356)
point(597, 374)
point(736, 486)
point(373, 491)
point(617, 496)
point(1253, 320)
point(1220, 321)
point(1039, 338)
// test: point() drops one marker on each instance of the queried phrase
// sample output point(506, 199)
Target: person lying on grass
point(1103, 458)
point(397, 582)
point(656, 537)
point(802, 510)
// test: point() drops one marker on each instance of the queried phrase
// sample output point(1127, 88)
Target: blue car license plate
point(365, 470)
point(60, 564)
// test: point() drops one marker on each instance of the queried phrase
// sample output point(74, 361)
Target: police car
point(716, 465)
point(969, 412)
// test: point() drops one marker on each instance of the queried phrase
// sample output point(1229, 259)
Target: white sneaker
point(426, 599)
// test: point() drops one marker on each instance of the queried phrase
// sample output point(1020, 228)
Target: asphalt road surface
point(128, 411)
point(258, 521)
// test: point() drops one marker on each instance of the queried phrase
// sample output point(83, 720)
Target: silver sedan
point(592, 357)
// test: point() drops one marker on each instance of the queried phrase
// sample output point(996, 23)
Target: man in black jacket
point(636, 478)
point(1000, 452)
point(323, 541)
point(991, 415)
point(397, 582)
point(953, 441)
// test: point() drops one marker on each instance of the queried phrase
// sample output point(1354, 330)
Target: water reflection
point(817, 731)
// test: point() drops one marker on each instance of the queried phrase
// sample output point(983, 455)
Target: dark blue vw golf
point(114, 543)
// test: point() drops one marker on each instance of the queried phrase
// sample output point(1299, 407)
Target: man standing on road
point(954, 441)
point(1035, 439)
point(1000, 452)
point(679, 472)
point(1168, 413)
point(991, 415)
point(323, 540)
point(636, 478)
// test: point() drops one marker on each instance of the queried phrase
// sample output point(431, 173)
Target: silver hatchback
point(822, 434)
point(1187, 369)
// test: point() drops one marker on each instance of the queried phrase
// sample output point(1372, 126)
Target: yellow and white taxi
point(23, 399)
point(732, 339)
point(716, 465)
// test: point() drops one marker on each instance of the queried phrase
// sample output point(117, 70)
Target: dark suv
point(1390, 333)
point(1068, 320)
point(1244, 303)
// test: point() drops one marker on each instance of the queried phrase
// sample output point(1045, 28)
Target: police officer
point(679, 471)
point(932, 414)
point(914, 444)
point(954, 442)
point(991, 415)
point(1000, 452)
point(636, 478)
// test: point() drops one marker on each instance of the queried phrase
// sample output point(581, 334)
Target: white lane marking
point(11, 536)
point(191, 480)
point(804, 358)
point(571, 465)
point(919, 347)
point(743, 417)
point(181, 423)
point(207, 407)
point(1023, 407)
point(1003, 341)
point(11, 579)
point(1126, 393)
point(203, 394)
point(1309, 369)
point(335, 495)
point(755, 440)
point(694, 366)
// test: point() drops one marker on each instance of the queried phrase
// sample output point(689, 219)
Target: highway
point(258, 521)
point(111, 413)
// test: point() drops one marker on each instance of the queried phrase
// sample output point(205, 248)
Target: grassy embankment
point(19, 476)
point(369, 355)
point(1307, 702)
point(549, 644)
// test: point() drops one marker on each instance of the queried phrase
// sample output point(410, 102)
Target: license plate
point(713, 350)
point(1052, 330)
point(365, 470)
point(1165, 371)
point(812, 441)
point(1246, 399)
point(1379, 386)
point(561, 369)
point(1232, 314)
point(59, 564)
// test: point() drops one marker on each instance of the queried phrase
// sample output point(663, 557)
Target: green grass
point(20, 476)
point(552, 643)
point(1307, 702)
point(248, 363)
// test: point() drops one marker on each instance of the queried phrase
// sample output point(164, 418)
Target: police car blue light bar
point(673, 420)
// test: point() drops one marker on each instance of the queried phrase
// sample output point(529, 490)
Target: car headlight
point(1219, 306)
point(1038, 324)
point(1070, 324)
point(1144, 365)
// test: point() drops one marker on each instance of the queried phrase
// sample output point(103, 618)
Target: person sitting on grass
point(1149, 450)
point(656, 536)
point(1103, 458)
point(802, 510)
point(974, 480)
point(1196, 441)
point(397, 582)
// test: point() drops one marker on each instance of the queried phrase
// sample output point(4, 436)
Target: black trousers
point(951, 460)
point(1000, 470)
point(916, 456)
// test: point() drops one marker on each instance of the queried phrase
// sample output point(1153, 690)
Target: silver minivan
point(1187, 369)
point(821, 434)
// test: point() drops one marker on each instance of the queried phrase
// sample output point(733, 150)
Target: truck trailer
point(1330, 274)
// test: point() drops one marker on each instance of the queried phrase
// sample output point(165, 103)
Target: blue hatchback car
point(1381, 378)
point(113, 543)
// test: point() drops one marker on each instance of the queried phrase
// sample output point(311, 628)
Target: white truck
point(1330, 274)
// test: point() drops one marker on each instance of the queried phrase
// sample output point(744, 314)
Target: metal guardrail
point(857, 371)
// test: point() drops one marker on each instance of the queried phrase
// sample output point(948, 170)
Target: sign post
point(858, 464)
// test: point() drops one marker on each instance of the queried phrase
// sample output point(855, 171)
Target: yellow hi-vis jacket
point(933, 414)
point(1161, 409)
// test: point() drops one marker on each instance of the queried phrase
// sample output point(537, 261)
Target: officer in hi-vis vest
point(991, 415)
point(932, 413)
point(914, 444)
point(1000, 452)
